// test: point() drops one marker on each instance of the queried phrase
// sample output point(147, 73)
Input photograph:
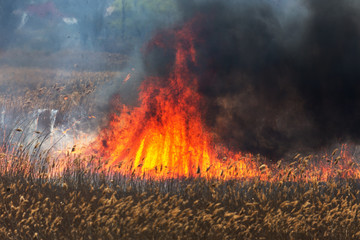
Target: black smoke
point(278, 81)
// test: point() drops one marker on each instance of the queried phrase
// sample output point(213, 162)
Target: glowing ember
point(165, 136)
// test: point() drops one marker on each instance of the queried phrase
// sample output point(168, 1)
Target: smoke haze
point(278, 76)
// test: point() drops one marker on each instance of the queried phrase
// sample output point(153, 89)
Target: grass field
point(178, 209)
point(86, 203)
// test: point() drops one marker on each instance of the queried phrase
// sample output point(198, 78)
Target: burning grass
point(71, 196)
point(74, 197)
point(86, 201)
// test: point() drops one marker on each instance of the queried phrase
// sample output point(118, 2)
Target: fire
point(165, 136)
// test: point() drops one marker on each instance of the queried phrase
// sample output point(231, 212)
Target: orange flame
point(165, 136)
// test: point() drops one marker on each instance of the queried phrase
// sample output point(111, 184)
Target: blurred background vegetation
point(101, 25)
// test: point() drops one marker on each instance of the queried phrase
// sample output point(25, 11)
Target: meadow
point(86, 202)
point(129, 208)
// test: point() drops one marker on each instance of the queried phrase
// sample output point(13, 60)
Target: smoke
point(67, 58)
point(278, 76)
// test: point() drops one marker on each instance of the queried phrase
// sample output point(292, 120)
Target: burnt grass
point(93, 205)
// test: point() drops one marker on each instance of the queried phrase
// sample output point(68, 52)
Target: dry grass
point(64, 59)
point(175, 209)
point(86, 203)
point(26, 89)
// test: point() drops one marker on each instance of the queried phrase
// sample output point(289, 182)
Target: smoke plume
point(278, 76)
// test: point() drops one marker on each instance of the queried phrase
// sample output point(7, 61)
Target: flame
point(165, 136)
